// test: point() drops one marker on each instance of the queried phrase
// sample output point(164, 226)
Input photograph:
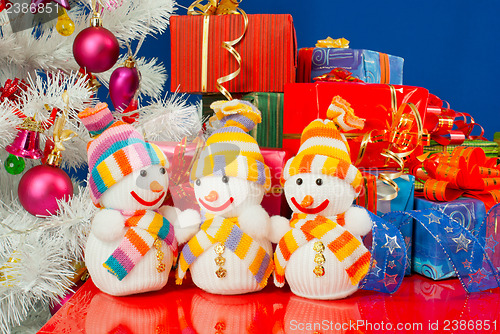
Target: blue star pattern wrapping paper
point(464, 252)
point(428, 258)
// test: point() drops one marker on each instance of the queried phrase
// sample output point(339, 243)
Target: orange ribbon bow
point(464, 172)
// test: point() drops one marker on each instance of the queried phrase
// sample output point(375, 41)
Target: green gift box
point(269, 133)
point(490, 148)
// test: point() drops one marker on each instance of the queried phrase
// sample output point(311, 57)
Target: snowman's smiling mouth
point(217, 208)
point(144, 202)
point(315, 210)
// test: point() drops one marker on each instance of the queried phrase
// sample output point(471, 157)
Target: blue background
point(449, 47)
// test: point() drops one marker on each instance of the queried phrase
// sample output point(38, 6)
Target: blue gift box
point(403, 202)
point(428, 258)
point(369, 66)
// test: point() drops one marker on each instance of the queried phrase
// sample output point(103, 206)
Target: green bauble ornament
point(14, 165)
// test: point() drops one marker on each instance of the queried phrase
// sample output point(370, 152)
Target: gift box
point(491, 242)
point(369, 66)
point(268, 52)
point(428, 257)
point(269, 133)
point(180, 156)
point(376, 197)
point(274, 201)
point(378, 104)
point(490, 148)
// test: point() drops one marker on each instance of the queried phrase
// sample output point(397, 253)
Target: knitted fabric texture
point(345, 246)
point(229, 234)
point(118, 150)
point(323, 149)
point(230, 150)
point(145, 227)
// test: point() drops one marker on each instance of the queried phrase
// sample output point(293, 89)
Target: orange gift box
point(268, 52)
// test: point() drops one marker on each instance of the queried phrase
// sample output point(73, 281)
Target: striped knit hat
point(324, 150)
point(117, 150)
point(230, 150)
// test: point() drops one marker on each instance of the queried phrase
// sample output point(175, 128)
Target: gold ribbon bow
point(218, 7)
point(340, 43)
point(403, 141)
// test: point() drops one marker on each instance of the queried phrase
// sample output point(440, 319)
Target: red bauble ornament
point(41, 187)
point(96, 48)
point(123, 84)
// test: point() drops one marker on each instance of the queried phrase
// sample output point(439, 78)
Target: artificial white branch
point(169, 119)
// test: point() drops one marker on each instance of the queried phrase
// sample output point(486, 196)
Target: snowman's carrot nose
point(212, 197)
point(155, 186)
point(307, 201)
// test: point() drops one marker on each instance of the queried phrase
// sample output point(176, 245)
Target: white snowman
point(320, 251)
point(131, 247)
point(230, 252)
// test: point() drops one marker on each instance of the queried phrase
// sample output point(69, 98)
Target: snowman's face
point(318, 194)
point(227, 196)
point(144, 189)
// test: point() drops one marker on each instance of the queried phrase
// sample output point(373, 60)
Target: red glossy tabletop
point(419, 306)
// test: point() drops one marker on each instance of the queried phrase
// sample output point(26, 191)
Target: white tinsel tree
point(37, 253)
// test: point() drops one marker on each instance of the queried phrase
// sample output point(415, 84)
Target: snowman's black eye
point(299, 181)
point(225, 179)
point(162, 170)
point(319, 182)
point(198, 182)
point(144, 173)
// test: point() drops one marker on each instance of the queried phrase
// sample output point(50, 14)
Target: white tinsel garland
point(42, 249)
point(169, 119)
point(43, 48)
point(41, 252)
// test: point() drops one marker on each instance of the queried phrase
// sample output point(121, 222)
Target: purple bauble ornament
point(41, 187)
point(96, 49)
point(123, 85)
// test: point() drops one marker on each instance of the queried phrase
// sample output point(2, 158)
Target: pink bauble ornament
point(96, 48)
point(123, 84)
point(41, 187)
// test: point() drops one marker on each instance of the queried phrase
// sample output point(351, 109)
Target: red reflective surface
point(419, 306)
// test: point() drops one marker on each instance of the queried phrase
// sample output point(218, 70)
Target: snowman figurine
point(230, 252)
point(131, 247)
point(320, 252)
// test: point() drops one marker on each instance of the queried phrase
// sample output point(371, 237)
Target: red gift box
point(274, 201)
point(376, 103)
point(268, 52)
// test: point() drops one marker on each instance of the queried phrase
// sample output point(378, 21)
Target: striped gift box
point(490, 148)
point(269, 133)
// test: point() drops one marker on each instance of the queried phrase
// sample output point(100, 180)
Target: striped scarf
point(144, 227)
point(227, 232)
point(345, 246)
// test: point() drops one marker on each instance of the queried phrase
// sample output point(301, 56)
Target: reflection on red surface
point(419, 306)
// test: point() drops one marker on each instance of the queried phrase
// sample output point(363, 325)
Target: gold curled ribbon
point(400, 139)
point(339, 43)
point(215, 7)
